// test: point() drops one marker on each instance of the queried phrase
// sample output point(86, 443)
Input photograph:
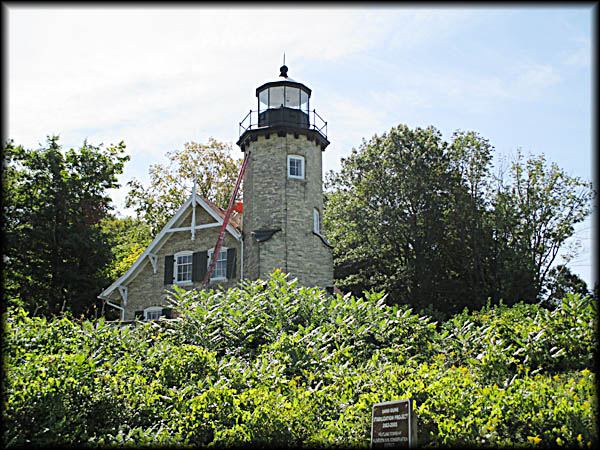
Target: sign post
point(394, 424)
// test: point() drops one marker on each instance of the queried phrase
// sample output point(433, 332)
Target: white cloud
point(415, 27)
point(580, 54)
point(421, 89)
point(71, 69)
point(149, 75)
point(532, 79)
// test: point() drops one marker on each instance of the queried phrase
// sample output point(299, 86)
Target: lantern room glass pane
point(276, 97)
point(263, 100)
point(303, 101)
point(292, 97)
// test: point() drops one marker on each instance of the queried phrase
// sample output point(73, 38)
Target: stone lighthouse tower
point(283, 197)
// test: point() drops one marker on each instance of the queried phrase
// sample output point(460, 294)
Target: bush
point(275, 363)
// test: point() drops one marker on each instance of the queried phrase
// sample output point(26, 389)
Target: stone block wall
point(147, 288)
point(272, 200)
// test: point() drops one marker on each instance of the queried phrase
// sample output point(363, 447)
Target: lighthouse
point(283, 188)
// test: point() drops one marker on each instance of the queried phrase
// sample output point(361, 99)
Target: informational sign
point(394, 424)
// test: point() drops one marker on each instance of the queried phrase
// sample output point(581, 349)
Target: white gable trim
point(197, 227)
point(154, 260)
point(153, 248)
point(217, 217)
point(123, 291)
point(217, 223)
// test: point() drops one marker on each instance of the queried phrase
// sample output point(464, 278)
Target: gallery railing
point(283, 117)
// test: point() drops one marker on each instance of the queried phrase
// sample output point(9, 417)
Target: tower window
point(295, 166)
point(316, 221)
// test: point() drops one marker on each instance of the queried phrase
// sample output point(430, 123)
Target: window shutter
point(166, 312)
point(199, 263)
point(169, 262)
point(231, 262)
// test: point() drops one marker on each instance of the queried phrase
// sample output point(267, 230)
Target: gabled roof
point(233, 227)
point(234, 220)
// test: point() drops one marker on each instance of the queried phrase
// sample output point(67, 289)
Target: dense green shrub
point(504, 341)
point(272, 362)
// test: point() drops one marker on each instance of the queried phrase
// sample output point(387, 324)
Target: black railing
point(254, 121)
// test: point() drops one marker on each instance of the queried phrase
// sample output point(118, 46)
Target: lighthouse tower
point(283, 197)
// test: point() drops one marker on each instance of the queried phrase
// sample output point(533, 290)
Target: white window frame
point(212, 275)
point(175, 267)
point(302, 166)
point(316, 221)
point(150, 312)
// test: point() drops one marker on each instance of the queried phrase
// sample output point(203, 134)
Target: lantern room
point(283, 107)
point(283, 102)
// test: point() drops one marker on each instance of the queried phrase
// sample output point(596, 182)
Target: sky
point(158, 77)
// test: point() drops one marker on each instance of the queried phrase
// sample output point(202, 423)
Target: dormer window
point(295, 166)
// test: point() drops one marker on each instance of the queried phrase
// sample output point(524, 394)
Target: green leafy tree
point(55, 252)
point(471, 156)
point(170, 185)
point(393, 218)
point(428, 222)
point(560, 282)
point(128, 238)
point(535, 209)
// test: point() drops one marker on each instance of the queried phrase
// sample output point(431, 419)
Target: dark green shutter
point(169, 262)
point(231, 262)
point(199, 263)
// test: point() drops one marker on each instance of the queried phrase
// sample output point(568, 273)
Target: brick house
point(283, 206)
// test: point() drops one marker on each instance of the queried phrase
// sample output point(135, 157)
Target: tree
point(561, 281)
point(535, 211)
point(55, 252)
point(213, 166)
point(128, 238)
point(392, 217)
point(471, 156)
point(427, 221)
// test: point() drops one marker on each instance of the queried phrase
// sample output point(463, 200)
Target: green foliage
point(504, 341)
point(561, 281)
point(392, 219)
point(128, 238)
point(535, 208)
point(407, 214)
point(55, 251)
point(274, 363)
point(426, 221)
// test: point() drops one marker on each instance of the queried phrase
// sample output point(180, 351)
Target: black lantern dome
point(283, 102)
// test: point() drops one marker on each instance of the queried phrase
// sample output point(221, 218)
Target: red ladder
point(215, 254)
